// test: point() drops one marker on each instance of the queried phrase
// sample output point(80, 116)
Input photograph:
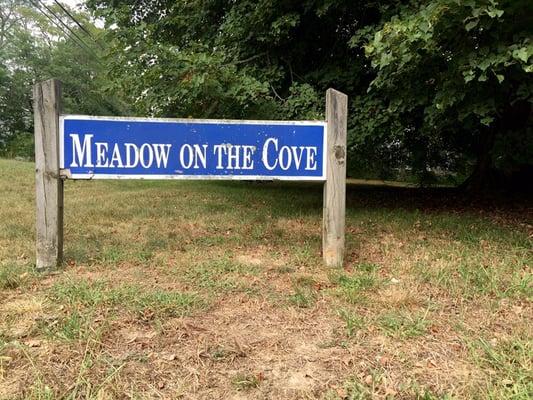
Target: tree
point(241, 59)
point(437, 85)
point(453, 88)
point(37, 46)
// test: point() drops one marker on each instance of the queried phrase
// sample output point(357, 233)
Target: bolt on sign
point(95, 147)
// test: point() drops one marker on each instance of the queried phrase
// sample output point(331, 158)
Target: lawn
point(216, 290)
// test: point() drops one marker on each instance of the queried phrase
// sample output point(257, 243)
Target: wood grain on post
point(48, 184)
point(333, 224)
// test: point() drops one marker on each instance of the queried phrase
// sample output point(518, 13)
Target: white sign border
point(64, 117)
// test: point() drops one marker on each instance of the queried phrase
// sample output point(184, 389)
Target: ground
point(216, 290)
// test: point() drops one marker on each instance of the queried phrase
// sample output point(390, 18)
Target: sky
point(71, 3)
point(76, 5)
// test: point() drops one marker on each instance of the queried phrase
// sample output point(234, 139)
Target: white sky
point(76, 4)
point(71, 3)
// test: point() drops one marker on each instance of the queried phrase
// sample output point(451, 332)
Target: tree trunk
point(484, 176)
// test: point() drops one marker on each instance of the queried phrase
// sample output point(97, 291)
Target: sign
point(83, 147)
point(137, 148)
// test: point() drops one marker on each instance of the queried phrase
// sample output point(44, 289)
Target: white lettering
point(129, 162)
point(297, 155)
point(146, 159)
point(82, 152)
point(193, 156)
point(247, 162)
point(218, 149)
point(233, 156)
point(265, 153)
point(286, 157)
point(116, 158)
point(285, 160)
point(161, 154)
point(190, 157)
point(200, 153)
point(101, 154)
point(311, 163)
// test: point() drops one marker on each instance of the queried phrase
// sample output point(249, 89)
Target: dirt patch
point(299, 227)
point(19, 316)
point(202, 355)
point(398, 294)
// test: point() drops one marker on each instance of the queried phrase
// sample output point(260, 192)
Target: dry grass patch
point(19, 317)
point(202, 290)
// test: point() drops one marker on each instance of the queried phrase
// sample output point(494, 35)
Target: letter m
point(81, 153)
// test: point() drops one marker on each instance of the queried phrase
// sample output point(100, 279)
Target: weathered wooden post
point(48, 183)
point(334, 212)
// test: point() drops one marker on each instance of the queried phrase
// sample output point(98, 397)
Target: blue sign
point(136, 148)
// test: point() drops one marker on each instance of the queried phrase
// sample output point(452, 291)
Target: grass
point(353, 287)
point(13, 276)
point(353, 322)
point(130, 297)
point(74, 326)
point(403, 325)
point(220, 275)
point(304, 295)
point(208, 289)
point(245, 381)
point(510, 367)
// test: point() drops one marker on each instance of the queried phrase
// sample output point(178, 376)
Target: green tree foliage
point(265, 58)
point(452, 86)
point(35, 47)
point(435, 86)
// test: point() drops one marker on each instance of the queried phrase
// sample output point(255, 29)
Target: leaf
point(424, 26)
point(471, 25)
point(521, 54)
point(169, 356)
point(468, 75)
point(487, 120)
point(33, 343)
point(494, 12)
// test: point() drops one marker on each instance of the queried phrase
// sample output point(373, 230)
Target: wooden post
point(334, 212)
point(48, 183)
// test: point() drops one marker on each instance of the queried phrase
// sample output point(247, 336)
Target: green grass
point(84, 303)
point(351, 390)
point(506, 275)
point(355, 389)
point(245, 382)
point(353, 322)
point(353, 287)
point(76, 325)
point(220, 275)
point(130, 297)
point(304, 295)
point(13, 276)
point(229, 275)
point(510, 367)
point(403, 325)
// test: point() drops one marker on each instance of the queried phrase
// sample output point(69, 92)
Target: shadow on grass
point(287, 199)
